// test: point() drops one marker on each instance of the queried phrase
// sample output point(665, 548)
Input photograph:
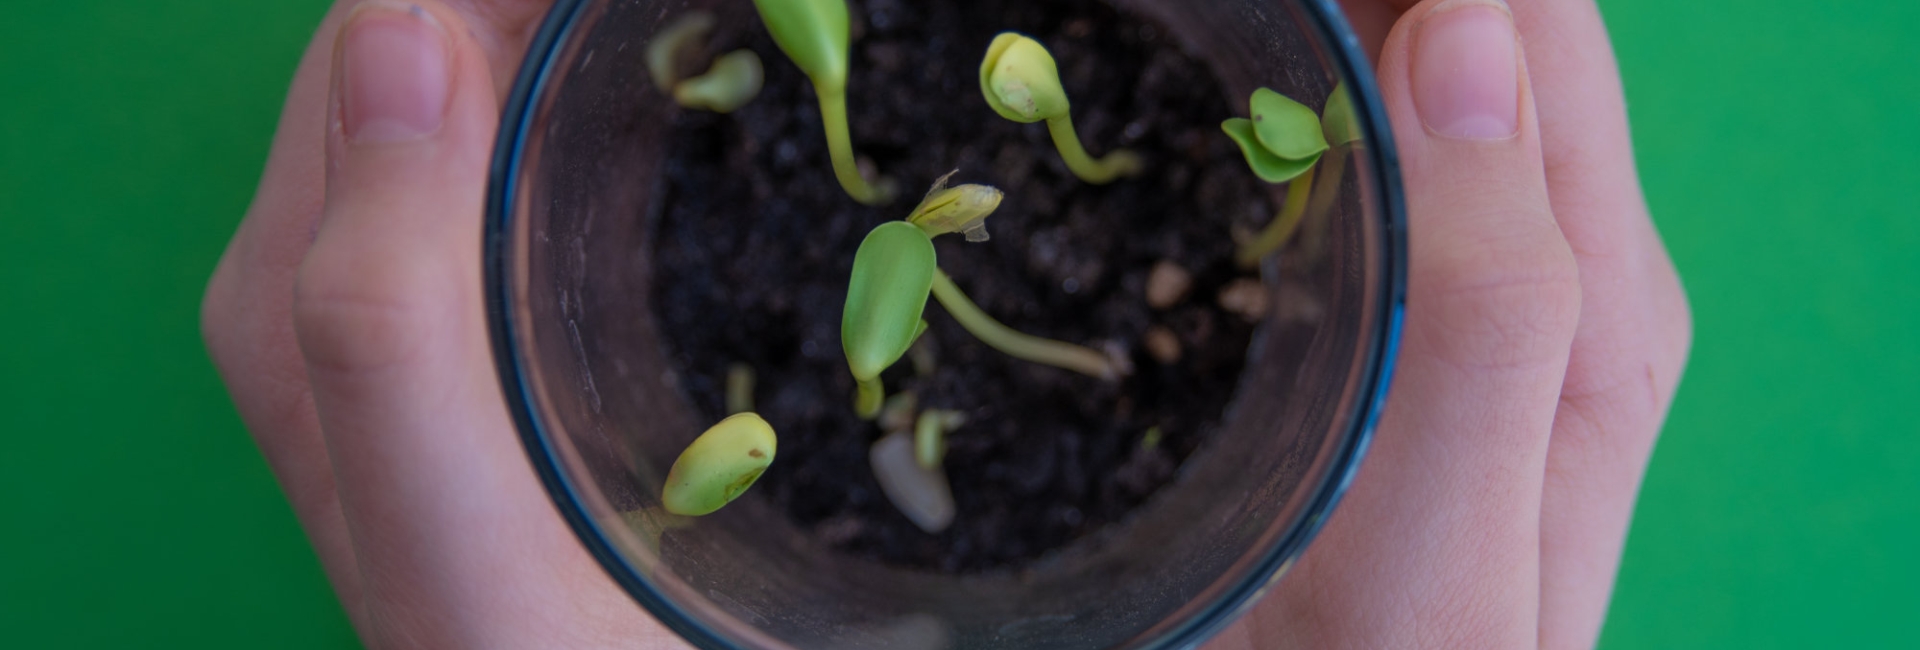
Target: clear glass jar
point(579, 163)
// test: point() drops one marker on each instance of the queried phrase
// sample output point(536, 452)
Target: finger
point(1435, 544)
point(1371, 20)
point(456, 541)
point(503, 28)
point(1634, 328)
point(247, 317)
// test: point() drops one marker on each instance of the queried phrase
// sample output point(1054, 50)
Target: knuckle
point(1627, 368)
point(360, 319)
point(1504, 301)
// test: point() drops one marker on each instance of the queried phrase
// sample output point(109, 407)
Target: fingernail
point(1466, 79)
point(394, 74)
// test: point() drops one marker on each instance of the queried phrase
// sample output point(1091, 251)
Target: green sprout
point(962, 209)
point(663, 51)
point(930, 435)
point(1022, 83)
point(1342, 128)
point(1285, 142)
point(719, 466)
point(734, 79)
point(815, 35)
point(899, 411)
point(1282, 142)
point(894, 272)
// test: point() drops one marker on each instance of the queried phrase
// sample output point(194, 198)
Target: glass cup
point(577, 169)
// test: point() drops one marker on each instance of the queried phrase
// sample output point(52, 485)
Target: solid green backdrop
point(1779, 141)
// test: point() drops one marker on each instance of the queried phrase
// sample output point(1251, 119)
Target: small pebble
point(1167, 285)
point(1163, 345)
point(1246, 297)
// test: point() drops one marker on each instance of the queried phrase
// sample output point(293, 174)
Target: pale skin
point(1546, 333)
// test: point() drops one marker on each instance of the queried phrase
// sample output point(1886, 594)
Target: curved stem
point(1016, 344)
point(1098, 172)
point(872, 395)
point(1281, 228)
point(833, 114)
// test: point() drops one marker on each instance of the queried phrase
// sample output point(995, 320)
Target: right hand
point(1546, 331)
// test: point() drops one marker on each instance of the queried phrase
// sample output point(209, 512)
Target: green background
point(1779, 141)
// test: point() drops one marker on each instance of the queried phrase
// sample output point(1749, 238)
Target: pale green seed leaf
point(1285, 127)
point(733, 81)
point(814, 33)
point(664, 49)
point(962, 209)
point(1340, 124)
point(720, 465)
point(1021, 81)
point(892, 275)
point(1268, 167)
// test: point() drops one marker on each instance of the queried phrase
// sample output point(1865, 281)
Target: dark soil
point(756, 241)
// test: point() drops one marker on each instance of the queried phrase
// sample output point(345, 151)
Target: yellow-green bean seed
point(720, 465)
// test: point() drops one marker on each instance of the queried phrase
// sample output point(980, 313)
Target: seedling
point(1022, 83)
point(1285, 142)
point(1282, 142)
point(930, 436)
point(719, 466)
point(734, 79)
point(663, 52)
point(815, 35)
point(962, 209)
point(1342, 129)
point(894, 272)
point(899, 412)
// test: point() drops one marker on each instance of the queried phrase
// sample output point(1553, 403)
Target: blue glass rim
point(1377, 366)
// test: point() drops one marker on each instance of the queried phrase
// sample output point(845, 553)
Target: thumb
point(455, 540)
point(1437, 543)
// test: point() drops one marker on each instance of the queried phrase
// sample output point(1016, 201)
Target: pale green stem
point(652, 522)
point(833, 113)
point(872, 396)
point(929, 439)
point(1276, 233)
point(1098, 172)
point(1016, 344)
point(1326, 190)
point(739, 389)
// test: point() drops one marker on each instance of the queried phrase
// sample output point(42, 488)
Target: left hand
point(346, 317)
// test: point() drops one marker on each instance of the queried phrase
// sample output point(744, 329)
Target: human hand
point(1545, 333)
point(1545, 336)
point(347, 319)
